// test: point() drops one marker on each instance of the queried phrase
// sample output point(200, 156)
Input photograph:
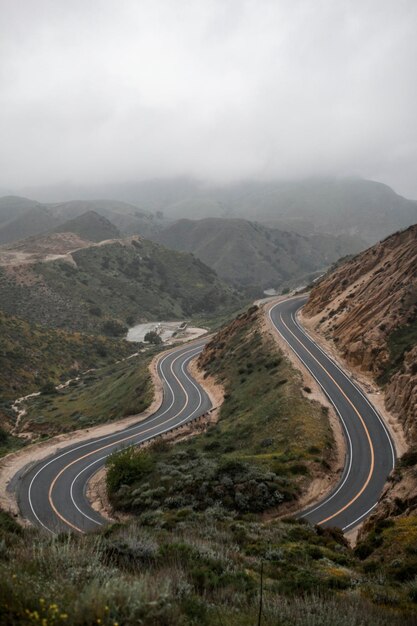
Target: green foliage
point(114, 328)
point(31, 354)
point(121, 279)
point(127, 467)
point(98, 396)
point(153, 337)
point(267, 443)
point(195, 569)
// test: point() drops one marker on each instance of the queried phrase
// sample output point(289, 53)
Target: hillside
point(21, 217)
point(37, 219)
point(90, 226)
point(125, 281)
point(369, 308)
point(249, 255)
point(33, 357)
point(14, 206)
point(349, 206)
point(127, 218)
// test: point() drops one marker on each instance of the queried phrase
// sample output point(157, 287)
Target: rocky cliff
point(368, 307)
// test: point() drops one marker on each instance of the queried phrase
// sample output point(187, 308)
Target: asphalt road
point(370, 451)
point(51, 494)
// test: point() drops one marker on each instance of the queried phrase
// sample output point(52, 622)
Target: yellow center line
point(52, 485)
point(360, 492)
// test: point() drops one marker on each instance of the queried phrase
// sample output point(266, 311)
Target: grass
point(192, 568)
point(104, 395)
point(31, 355)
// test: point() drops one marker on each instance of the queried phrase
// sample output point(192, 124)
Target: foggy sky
point(96, 91)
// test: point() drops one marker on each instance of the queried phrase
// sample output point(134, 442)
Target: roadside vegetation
point(193, 568)
point(102, 395)
point(269, 443)
point(400, 341)
point(31, 355)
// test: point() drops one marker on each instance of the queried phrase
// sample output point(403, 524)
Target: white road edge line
point(187, 418)
point(137, 426)
point(349, 457)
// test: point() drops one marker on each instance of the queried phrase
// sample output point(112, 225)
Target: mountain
point(37, 219)
point(102, 287)
point(21, 217)
point(31, 355)
point(12, 207)
point(90, 226)
point(249, 255)
point(335, 206)
point(368, 306)
point(127, 218)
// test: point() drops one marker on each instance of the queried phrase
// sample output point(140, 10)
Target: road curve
point(51, 494)
point(370, 453)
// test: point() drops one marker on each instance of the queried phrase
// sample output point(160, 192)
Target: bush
point(127, 467)
point(48, 388)
point(153, 337)
point(114, 328)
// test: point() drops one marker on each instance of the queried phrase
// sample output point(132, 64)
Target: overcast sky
point(112, 90)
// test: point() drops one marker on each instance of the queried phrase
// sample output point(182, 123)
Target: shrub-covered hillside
point(193, 569)
point(124, 282)
point(31, 356)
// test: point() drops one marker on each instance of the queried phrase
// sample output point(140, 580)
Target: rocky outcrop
point(368, 307)
point(401, 395)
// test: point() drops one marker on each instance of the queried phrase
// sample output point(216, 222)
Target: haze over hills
point(90, 226)
point(252, 256)
point(21, 217)
point(338, 206)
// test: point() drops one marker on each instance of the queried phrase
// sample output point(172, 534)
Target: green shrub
point(127, 467)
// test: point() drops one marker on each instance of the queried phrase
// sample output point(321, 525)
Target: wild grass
point(106, 394)
point(202, 569)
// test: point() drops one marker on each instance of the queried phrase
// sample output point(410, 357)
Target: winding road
point(370, 452)
point(52, 493)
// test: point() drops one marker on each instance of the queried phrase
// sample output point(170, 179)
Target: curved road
point(52, 493)
point(370, 451)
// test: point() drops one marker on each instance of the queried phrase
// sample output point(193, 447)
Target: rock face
point(368, 306)
point(401, 394)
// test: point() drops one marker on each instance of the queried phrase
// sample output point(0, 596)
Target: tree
point(153, 337)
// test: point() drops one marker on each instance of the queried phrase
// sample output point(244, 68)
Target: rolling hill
point(21, 218)
point(334, 206)
point(102, 287)
point(90, 226)
point(251, 256)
